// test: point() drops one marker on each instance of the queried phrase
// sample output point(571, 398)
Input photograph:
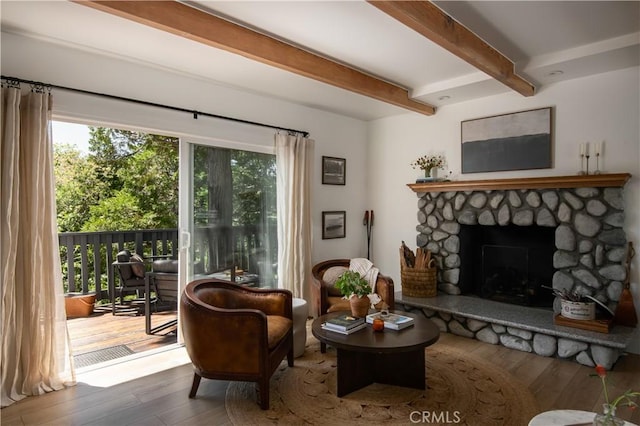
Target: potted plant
point(357, 290)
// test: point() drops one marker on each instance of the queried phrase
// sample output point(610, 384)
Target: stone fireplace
point(504, 240)
point(587, 223)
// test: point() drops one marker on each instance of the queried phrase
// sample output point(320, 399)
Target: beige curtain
point(33, 324)
point(294, 162)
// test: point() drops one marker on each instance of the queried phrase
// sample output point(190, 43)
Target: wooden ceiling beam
point(193, 24)
point(430, 21)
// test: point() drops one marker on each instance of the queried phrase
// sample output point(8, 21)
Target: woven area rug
point(461, 389)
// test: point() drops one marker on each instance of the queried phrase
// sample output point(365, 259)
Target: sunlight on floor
point(133, 367)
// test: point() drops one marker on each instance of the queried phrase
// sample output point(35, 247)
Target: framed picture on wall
point(333, 224)
point(333, 170)
point(517, 141)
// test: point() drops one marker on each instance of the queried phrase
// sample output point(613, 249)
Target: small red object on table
point(378, 324)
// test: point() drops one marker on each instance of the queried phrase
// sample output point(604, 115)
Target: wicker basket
point(79, 305)
point(418, 282)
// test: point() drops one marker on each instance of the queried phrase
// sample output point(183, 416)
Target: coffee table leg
point(355, 371)
point(359, 369)
point(401, 369)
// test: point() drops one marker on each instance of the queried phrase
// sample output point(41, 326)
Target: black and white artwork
point(333, 224)
point(333, 170)
point(516, 141)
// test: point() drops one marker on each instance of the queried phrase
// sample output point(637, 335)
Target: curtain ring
point(11, 83)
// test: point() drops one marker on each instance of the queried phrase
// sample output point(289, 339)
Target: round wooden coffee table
point(390, 357)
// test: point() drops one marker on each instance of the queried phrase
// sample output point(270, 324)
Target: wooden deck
point(103, 330)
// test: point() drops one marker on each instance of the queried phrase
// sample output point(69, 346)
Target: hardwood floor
point(153, 390)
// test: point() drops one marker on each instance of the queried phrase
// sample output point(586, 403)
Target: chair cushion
point(338, 304)
point(277, 328)
point(137, 265)
point(330, 277)
point(165, 265)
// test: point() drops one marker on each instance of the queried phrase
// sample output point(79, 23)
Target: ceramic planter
point(578, 310)
point(359, 306)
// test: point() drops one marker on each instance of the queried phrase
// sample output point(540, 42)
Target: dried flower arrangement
point(428, 162)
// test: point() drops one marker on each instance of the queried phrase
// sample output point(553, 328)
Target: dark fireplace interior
point(508, 263)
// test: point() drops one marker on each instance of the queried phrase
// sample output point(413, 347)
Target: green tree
point(129, 180)
point(78, 187)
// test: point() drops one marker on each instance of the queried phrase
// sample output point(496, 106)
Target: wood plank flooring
point(153, 390)
point(102, 330)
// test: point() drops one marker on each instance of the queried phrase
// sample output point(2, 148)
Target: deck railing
point(87, 256)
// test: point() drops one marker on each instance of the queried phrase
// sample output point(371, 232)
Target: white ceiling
point(577, 38)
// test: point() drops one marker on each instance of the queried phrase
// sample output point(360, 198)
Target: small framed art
point(333, 224)
point(333, 170)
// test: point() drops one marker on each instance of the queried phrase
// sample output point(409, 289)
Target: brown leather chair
point(236, 333)
point(329, 299)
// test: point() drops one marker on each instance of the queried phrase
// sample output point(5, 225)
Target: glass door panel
point(229, 217)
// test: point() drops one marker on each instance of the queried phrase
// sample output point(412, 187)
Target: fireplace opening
point(508, 263)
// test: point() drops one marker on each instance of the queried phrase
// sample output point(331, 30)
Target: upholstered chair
point(329, 299)
point(236, 333)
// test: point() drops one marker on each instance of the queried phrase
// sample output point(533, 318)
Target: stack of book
point(344, 324)
point(392, 321)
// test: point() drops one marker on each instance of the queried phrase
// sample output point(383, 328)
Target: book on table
point(344, 322)
point(392, 321)
point(349, 331)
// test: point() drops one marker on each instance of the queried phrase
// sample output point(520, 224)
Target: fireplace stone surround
point(587, 213)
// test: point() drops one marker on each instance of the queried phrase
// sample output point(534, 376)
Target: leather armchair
point(329, 299)
point(236, 333)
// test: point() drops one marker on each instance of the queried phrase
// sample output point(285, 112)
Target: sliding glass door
point(228, 215)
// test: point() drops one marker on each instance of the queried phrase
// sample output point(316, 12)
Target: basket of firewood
point(417, 272)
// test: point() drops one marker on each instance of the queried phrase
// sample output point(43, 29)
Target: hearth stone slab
point(519, 327)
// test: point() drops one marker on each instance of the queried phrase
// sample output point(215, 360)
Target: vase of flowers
point(429, 164)
point(608, 415)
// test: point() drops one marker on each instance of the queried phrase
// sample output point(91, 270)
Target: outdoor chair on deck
point(133, 280)
point(233, 332)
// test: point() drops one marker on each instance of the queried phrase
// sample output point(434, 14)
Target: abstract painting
point(515, 141)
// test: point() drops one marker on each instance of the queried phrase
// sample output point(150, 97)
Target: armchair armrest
point(385, 289)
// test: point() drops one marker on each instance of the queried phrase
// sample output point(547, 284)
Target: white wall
point(603, 107)
point(334, 135)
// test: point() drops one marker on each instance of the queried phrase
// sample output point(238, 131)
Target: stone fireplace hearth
point(586, 216)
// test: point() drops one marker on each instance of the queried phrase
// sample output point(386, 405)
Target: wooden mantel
point(576, 181)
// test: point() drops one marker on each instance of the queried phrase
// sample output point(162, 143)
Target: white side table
point(565, 417)
point(300, 315)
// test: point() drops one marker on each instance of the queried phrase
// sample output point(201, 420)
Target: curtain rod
point(153, 104)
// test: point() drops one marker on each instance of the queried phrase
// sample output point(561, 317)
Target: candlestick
point(587, 172)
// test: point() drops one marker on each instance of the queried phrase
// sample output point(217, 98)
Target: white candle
point(599, 148)
point(581, 149)
point(586, 148)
